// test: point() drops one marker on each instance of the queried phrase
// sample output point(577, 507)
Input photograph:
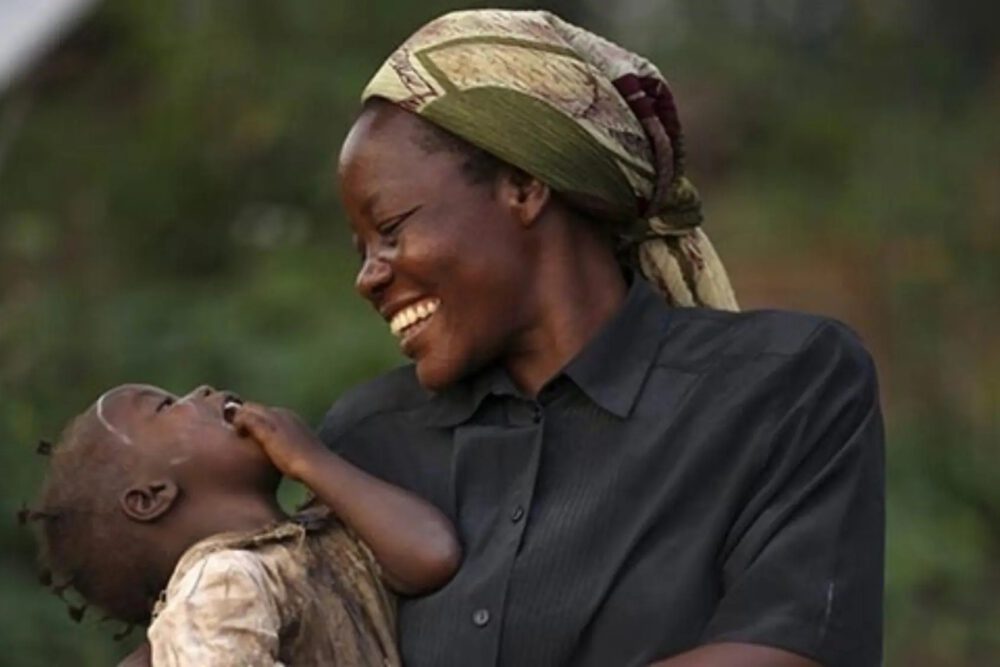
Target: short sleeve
point(803, 562)
point(218, 614)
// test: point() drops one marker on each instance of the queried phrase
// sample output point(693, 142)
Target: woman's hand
point(285, 438)
point(735, 654)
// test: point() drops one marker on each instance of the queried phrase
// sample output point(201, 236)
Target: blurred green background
point(168, 214)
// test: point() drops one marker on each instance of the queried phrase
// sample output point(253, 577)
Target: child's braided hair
point(79, 537)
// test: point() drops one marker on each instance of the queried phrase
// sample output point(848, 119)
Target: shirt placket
point(498, 468)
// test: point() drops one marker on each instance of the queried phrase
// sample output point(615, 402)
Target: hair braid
point(80, 544)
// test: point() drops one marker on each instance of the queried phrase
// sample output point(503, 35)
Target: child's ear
point(150, 500)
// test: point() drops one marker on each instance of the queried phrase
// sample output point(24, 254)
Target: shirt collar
point(610, 369)
point(457, 403)
point(613, 366)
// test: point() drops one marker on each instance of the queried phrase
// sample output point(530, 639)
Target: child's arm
point(412, 541)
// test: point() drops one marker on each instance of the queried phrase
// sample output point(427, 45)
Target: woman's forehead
point(385, 132)
point(380, 161)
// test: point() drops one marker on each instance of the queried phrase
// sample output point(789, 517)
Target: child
point(163, 508)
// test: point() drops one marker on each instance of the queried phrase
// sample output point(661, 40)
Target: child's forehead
point(115, 408)
point(127, 395)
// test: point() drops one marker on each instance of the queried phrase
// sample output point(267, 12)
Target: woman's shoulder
point(698, 335)
point(394, 392)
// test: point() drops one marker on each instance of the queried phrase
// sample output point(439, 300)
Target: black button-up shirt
point(692, 476)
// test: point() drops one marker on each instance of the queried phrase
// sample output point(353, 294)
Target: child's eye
point(165, 403)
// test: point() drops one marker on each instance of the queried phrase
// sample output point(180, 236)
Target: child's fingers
point(251, 419)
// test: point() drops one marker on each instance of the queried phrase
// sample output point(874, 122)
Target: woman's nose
point(374, 275)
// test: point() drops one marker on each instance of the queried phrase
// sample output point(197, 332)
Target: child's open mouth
point(229, 405)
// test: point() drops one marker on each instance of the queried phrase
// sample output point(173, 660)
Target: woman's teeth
point(410, 315)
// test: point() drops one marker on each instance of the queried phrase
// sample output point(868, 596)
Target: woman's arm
point(736, 655)
point(412, 541)
point(802, 564)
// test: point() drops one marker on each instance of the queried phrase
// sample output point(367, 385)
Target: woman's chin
point(429, 377)
point(436, 376)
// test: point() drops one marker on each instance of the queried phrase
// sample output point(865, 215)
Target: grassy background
point(167, 214)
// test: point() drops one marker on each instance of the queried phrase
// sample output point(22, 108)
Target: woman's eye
point(390, 227)
point(165, 403)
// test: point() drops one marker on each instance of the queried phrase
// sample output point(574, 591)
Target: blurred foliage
point(168, 214)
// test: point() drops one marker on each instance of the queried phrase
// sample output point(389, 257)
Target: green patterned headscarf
point(595, 122)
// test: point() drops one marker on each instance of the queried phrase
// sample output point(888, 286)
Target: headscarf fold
point(594, 121)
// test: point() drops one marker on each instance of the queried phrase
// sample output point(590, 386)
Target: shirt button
point(536, 415)
point(517, 514)
point(481, 617)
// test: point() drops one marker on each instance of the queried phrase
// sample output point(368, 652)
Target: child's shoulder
point(212, 584)
point(256, 571)
point(253, 594)
point(237, 563)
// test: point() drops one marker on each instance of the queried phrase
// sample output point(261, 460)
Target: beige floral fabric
point(289, 595)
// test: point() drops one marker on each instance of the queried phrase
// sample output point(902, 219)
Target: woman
point(632, 481)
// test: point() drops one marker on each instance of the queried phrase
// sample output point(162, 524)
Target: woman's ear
point(525, 195)
point(150, 500)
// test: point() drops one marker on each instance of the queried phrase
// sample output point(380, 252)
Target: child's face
point(184, 435)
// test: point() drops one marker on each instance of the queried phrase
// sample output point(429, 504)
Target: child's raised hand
point(285, 438)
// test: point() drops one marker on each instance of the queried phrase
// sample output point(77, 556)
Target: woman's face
point(444, 261)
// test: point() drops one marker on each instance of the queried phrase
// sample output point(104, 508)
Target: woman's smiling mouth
point(406, 320)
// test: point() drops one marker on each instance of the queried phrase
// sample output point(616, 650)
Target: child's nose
point(204, 391)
